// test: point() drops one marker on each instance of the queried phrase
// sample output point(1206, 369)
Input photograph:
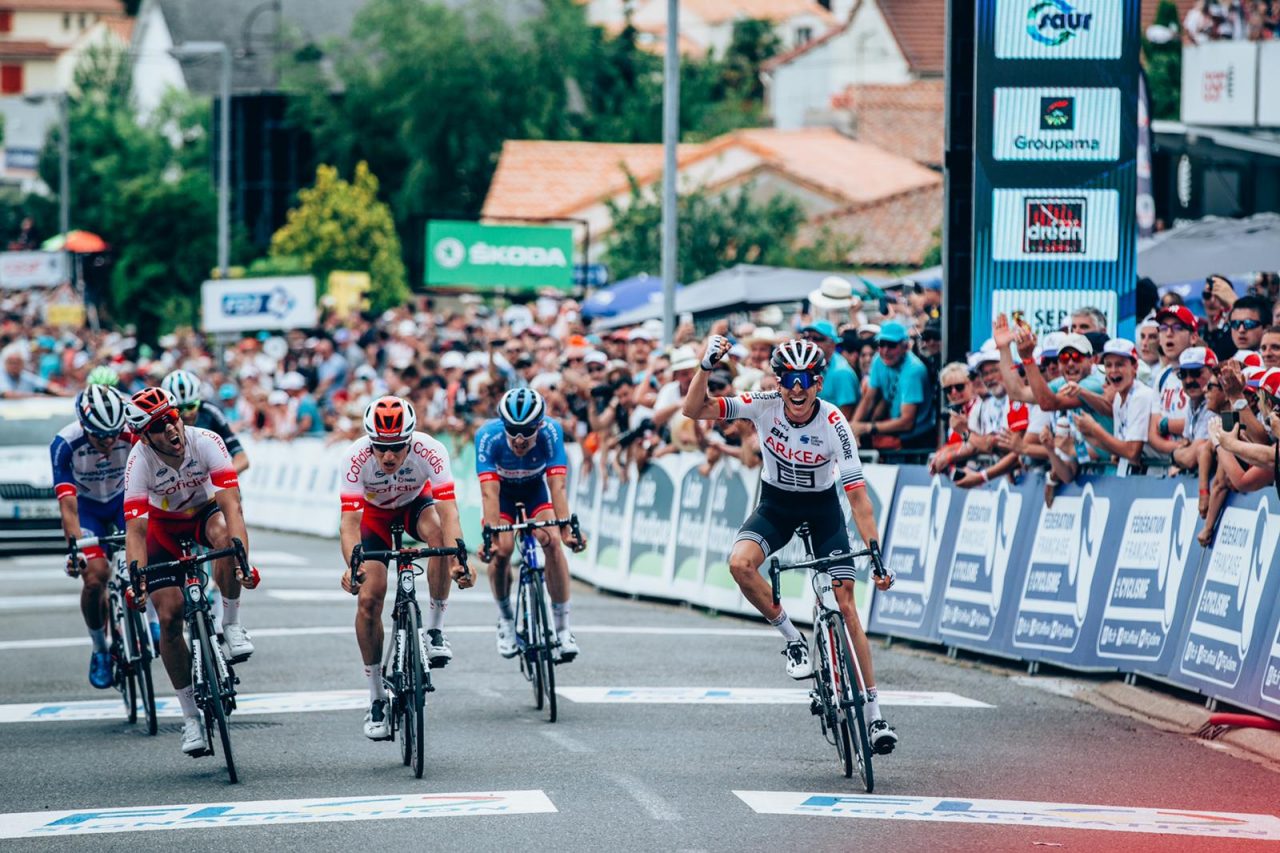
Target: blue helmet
point(521, 408)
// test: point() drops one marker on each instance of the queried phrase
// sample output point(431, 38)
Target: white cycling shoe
point(797, 654)
point(377, 725)
point(239, 645)
point(507, 646)
point(193, 740)
point(567, 646)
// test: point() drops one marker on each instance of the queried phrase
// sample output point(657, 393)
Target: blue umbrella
point(623, 296)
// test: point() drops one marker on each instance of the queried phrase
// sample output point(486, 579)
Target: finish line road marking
point(63, 824)
point(344, 630)
point(1259, 827)
point(167, 706)
point(748, 696)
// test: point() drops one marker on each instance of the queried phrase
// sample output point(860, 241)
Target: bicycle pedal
point(204, 753)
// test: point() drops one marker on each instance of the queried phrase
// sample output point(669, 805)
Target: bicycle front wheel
point(413, 704)
point(827, 685)
point(142, 669)
point(215, 695)
point(545, 646)
point(850, 694)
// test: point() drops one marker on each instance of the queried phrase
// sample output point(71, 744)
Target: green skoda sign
point(514, 256)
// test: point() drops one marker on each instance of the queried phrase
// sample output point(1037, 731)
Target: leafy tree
point(341, 225)
point(714, 232)
point(1164, 66)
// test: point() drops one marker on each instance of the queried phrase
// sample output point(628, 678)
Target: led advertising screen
point(1055, 176)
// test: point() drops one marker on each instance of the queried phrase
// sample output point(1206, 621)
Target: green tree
point(1163, 63)
point(716, 231)
point(341, 225)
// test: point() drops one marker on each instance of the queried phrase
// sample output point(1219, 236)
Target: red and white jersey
point(1173, 400)
point(425, 472)
point(799, 457)
point(152, 486)
point(993, 415)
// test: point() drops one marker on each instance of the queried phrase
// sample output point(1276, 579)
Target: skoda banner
point(519, 257)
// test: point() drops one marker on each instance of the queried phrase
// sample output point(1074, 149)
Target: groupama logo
point(1055, 22)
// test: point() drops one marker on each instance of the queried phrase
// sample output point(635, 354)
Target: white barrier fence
point(665, 533)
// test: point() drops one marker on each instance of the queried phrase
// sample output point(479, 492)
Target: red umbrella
point(79, 242)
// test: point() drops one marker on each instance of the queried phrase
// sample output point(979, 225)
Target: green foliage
point(933, 255)
point(144, 188)
point(341, 225)
point(1163, 63)
point(716, 232)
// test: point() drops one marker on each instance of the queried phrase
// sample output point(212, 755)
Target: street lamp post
point(188, 50)
point(670, 138)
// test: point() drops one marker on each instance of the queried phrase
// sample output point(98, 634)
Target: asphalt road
point(609, 775)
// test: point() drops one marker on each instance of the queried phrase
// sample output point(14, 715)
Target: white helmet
point(389, 420)
point(183, 386)
point(100, 410)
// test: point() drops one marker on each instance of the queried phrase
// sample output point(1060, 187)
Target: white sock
point(373, 672)
point(560, 615)
point(784, 625)
point(187, 699)
point(230, 611)
point(99, 637)
point(435, 617)
point(873, 703)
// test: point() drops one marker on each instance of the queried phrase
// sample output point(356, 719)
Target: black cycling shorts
point(780, 512)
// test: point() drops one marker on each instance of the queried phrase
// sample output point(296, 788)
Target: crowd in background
point(1233, 20)
point(1070, 401)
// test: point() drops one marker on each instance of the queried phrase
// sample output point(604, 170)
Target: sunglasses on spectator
point(1246, 325)
point(595, 367)
point(1193, 375)
point(1173, 327)
point(952, 389)
point(1070, 355)
point(888, 344)
point(393, 447)
point(524, 431)
point(1213, 386)
point(803, 378)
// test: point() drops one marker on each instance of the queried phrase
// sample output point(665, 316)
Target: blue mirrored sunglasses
point(803, 378)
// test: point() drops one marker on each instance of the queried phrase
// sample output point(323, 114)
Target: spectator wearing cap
point(1262, 457)
point(1177, 333)
point(639, 348)
point(1197, 370)
point(1239, 377)
point(839, 382)
point(1249, 318)
point(1219, 298)
point(898, 387)
point(1078, 388)
point(1130, 409)
point(996, 424)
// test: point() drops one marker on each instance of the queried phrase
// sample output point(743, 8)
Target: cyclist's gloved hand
point(75, 564)
point(717, 346)
point(884, 577)
point(352, 577)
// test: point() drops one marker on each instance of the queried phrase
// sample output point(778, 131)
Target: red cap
point(1180, 313)
point(1271, 383)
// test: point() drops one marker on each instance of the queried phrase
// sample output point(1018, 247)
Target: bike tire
point(854, 720)
point(416, 706)
point(403, 678)
point(828, 680)
point(527, 629)
point(215, 712)
point(546, 647)
point(142, 669)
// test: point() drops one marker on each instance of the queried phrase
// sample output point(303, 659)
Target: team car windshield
point(34, 421)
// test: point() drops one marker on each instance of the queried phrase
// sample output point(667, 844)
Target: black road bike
point(131, 648)
point(836, 698)
point(536, 642)
point(212, 677)
point(405, 670)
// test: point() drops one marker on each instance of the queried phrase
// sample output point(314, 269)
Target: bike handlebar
point(408, 555)
point(487, 533)
point(113, 540)
point(820, 564)
point(236, 549)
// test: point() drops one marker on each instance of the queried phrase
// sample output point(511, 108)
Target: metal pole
point(224, 167)
point(64, 164)
point(670, 137)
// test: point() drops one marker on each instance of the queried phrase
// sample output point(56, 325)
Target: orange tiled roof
point(28, 50)
point(908, 119)
point(722, 11)
point(920, 28)
point(536, 178)
point(120, 26)
point(895, 231)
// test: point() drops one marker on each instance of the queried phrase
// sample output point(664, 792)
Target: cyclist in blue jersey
point(520, 458)
point(89, 457)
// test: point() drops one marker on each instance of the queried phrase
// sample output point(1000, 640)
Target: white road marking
point(749, 696)
point(648, 799)
point(269, 573)
point(55, 824)
point(565, 742)
point(39, 602)
point(965, 811)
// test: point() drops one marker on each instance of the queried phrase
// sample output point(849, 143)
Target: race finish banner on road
point(252, 304)
point(517, 257)
point(1055, 171)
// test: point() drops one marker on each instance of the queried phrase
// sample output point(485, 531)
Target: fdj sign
point(277, 303)
point(468, 253)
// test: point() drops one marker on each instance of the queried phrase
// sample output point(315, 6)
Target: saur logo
point(1057, 113)
point(1056, 22)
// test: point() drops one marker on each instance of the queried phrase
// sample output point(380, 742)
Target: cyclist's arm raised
point(697, 403)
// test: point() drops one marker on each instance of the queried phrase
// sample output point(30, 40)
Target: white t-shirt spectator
point(1197, 424)
point(1131, 417)
point(1168, 386)
point(993, 415)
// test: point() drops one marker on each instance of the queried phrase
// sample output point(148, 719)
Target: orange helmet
point(148, 406)
point(389, 420)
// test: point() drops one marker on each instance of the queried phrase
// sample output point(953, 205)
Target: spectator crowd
point(1192, 394)
point(1233, 20)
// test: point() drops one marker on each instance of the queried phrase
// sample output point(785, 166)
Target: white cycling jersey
point(425, 472)
point(799, 457)
point(151, 486)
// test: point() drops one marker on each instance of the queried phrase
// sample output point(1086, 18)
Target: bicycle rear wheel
point(215, 695)
point(545, 645)
point(828, 679)
point(853, 719)
point(142, 668)
point(414, 700)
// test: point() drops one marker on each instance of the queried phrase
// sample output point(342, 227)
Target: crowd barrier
point(1111, 577)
